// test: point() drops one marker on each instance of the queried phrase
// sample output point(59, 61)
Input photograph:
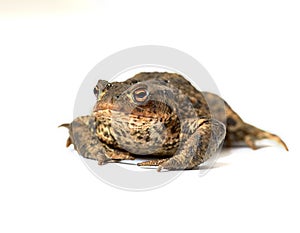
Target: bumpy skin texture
point(162, 116)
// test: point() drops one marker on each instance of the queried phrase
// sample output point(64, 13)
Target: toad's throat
point(138, 134)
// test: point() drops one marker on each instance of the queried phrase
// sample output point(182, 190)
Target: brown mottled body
point(160, 115)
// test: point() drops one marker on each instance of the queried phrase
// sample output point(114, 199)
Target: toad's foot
point(86, 143)
point(154, 162)
point(250, 134)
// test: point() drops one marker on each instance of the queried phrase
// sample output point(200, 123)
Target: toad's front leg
point(83, 136)
point(200, 140)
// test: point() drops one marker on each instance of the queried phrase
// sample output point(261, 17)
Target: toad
point(162, 116)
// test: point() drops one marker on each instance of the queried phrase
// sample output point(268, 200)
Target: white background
point(251, 49)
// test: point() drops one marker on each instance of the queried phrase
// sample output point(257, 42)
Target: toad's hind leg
point(250, 134)
point(237, 129)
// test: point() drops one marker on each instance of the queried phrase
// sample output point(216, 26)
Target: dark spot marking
point(197, 105)
point(231, 122)
point(96, 91)
point(174, 129)
point(123, 133)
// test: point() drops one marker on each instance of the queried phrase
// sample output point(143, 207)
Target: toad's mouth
point(150, 110)
point(137, 114)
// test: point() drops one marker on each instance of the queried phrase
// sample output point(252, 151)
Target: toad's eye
point(140, 95)
point(96, 91)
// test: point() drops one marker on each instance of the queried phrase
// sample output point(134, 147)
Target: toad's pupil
point(141, 94)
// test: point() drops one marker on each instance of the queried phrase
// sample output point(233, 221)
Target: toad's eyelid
point(139, 91)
